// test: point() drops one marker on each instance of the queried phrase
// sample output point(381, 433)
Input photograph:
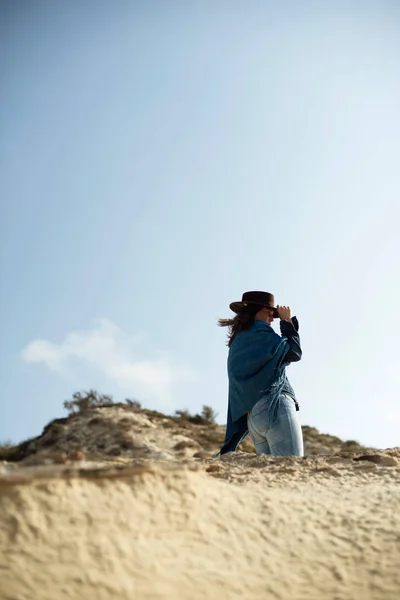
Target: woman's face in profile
point(267, 315)
point(270, 316)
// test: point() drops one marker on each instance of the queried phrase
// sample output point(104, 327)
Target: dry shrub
point(82, 401)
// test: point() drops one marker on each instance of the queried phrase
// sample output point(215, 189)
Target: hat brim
point(236, 306)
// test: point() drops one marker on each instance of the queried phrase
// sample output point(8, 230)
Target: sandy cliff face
point(118, 504)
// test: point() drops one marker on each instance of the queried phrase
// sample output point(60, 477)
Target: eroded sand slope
point(243, 527)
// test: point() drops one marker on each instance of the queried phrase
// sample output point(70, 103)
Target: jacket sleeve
point(290, 330)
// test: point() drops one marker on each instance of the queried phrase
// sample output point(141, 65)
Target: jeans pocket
point(259, 408)
point(259, 418)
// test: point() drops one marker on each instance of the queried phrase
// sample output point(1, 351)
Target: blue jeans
point(275, 430)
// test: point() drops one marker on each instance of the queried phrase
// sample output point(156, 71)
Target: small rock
point(379, 459)
point(213, 468)
point(76, 455)
point(201, 454)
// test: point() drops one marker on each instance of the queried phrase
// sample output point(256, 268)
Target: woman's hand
point(284, 313)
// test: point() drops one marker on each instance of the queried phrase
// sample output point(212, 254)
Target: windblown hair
point(243, 321)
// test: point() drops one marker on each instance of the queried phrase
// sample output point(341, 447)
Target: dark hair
point(243, 321)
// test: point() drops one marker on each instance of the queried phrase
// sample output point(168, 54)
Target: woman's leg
point(257, 422)
point(285, 438)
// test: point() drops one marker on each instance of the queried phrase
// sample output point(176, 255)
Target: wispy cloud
point(115, 354)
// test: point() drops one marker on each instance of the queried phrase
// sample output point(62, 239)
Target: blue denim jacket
point(257, 363)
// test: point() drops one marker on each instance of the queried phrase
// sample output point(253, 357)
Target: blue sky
point(158, 159)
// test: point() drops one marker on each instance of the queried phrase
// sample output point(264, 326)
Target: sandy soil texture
point(253, 527)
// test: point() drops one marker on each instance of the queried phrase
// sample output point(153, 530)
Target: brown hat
point(257, 298)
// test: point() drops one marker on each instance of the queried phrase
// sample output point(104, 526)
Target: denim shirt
point(257, 364)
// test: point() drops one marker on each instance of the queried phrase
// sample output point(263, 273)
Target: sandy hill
point(123, 431)
point(119, 502)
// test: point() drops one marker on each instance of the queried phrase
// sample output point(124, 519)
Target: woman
point(261, 400)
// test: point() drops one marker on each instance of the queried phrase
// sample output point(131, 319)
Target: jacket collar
point(260, 325)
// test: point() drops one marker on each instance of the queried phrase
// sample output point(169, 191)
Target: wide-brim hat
point(261, 299)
